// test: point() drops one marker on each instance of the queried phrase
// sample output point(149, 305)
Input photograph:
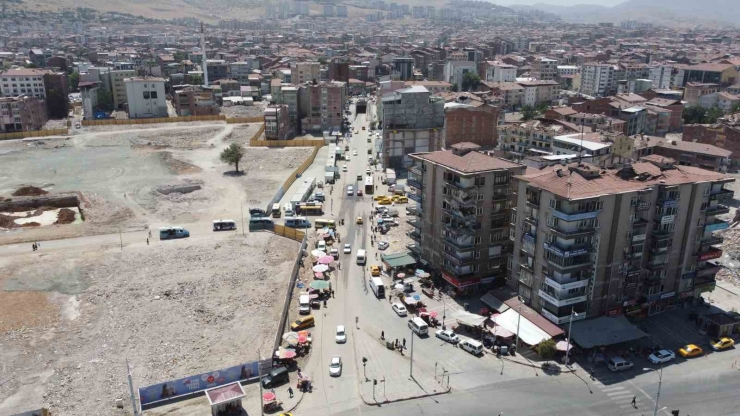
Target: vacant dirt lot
point(175, 308)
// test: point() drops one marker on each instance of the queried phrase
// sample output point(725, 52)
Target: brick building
point(322, 105)
point(478, 125)
point(22, 113)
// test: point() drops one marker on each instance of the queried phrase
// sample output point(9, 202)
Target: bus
point(306, 209)
point(224, 225)
point(168, 233)
point(276, 210)
point(297, 222)
point(323, 222)
point(369, 186)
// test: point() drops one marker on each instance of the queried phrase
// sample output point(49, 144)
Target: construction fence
point(35, 133)
point(299, 171)
point(288, 232)
point(113, 122)
point(241, 120)
point(287, 143)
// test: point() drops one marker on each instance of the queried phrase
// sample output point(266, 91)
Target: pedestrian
point(634, 402)
point(332, 293)
point(33, 246)
point(150, 233)
point(147, 241)
point(592, 374)
point(376, 254)
point(290, 391)
point(396, 344)
point(404, 342)
point(382, 335)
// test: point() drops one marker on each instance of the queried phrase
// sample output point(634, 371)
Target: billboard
point(162, 392)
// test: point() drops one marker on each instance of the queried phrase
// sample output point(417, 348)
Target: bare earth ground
point(173, 309)
point(69, 317)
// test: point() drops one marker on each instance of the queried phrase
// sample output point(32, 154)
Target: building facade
point(306, 72)
point(322, 106)
point(477, 125)
point(598, 80)
point(119, 87)
point(146, 97)
point(22, 113)
point(23, 81)
point(277, 123)
point(544, 69)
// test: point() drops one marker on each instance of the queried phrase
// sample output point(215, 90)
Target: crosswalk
point(621, 396)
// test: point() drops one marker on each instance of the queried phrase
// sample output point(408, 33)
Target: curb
point(562, 370)
point(403, 399)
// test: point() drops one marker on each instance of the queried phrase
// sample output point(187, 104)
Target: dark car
point(257, 212)
point(275, 377)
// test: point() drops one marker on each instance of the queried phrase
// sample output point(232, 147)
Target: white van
point(419, 326)
point(619, 364)
point(472, 346)
point(297, 222)
point(321, 245)
point(304, 304)
point(378, 288)
point(288, 208)
point(361, 257)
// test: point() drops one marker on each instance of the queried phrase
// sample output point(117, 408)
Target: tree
point(196, 79)
point(322, 60)
point(57, 104)
point(454, 88)
point(712, 115)
point(233, 155)
point(74, 81)
point(693, 115)
point(528, 112)
point(180, 56)
point(470, 81)
point(736, 108)
point(546, 349)
point(105, 100)
point(542, 107)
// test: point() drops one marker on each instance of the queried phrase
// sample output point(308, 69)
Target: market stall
point(226, 400)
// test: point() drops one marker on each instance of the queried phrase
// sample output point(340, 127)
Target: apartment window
point(146, 95)
point(480, 196)
point(153, 94)
point(476, 254)
point(479, 211)
point(476, 240)
point(480, 181)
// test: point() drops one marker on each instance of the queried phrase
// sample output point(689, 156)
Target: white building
point(455, 70)
point(598, 80)
point(500, 72)
point(146, 97)
point(662, 77)
point(23, 81)
point(567, 70)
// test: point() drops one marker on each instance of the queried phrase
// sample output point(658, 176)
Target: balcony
point(639, 222)
point(414, 248)
point(414, 196)
point(531, 220)
point(460, 243)
point(459, 272)
point(500, 196)
point(574, 217)
point(711, 241)
point(710, 269)
point(705, 284)
point(721, 195)
point(416, 171)
point(414, 235)
point(717, 225)
point(463, 199)
point(560, 320)
point(567, 285)
point(578, 232)
point(462, 184)
point(718, 210)
point(463, 212)
point(461, 258)
point(413, 183)
point(561, 301)
point(568, 265)
point(414, 211)
point(710, 254)
point(414, 222)
point(571, 251)
point(665, 219)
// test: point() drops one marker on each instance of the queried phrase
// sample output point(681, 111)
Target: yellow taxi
point(374, 270)
point(690, 350)
point(400, 199)
point(379, 197)
point(385, 201)
point(358, 220)
point(722, 343)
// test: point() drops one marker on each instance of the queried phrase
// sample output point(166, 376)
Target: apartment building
point(454, 71)
point(240, 71)
point(403, 68)
point(291, 97)
point(322, 105)
point(413, 122)
point(544, 69)
point(308, 71)
point(564, 70)
point(22, 113)
point(598, 80)
point(145, 97)
point(118, 87)
point(607, 241)
point(497, 71)
point(277, 123)
point(663, 76)
point(195, 101)
point(468, 123)
point(23, 81)
point(461, 215)
point(536, 92)
point(511, 94)
point(217, 69)
point(711, 73)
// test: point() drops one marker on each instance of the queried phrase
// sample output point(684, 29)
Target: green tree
point(712, 115)
point(470, 81)
point(542, 107)
point(736, 108)
point(693, 114)
point(57, 104)
point(105, 100)
point(180, 56)
point(74, 81)
point(322, 60)
point(454, 88)
point(546, 349)
point(233, 155)
point(528, 112)
point(196, 79)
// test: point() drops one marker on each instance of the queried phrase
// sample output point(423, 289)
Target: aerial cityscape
point(535, 208)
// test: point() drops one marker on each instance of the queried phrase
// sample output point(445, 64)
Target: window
point(476, 240)
point(480, 181)
point(479, 211)
point(146, 95)
point(479, 196)
point(476, 254)
point(153, 94)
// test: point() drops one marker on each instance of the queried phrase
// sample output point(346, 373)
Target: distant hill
point(687, 12)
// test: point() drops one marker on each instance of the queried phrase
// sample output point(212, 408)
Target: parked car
point(722, 343)
point(383, 245)
point(319, 196)
point(690, 350)
point(375, 271)
point(341, 336)
point(619, 364)
point(448, 336)
point(350, 190)
point(662, 356)
point(347, 248)
point(472, 346)
point(400, 309)
point(358, 220)
point(334, 253)
point(335, 366)
point(344, 168)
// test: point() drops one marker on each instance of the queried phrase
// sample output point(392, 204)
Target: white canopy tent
point(528, 332)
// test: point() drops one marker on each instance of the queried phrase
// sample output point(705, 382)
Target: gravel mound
point(29, 191)
point(65, 216)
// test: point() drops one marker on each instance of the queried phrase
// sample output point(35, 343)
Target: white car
point(344, 168)
point(368, 172)
point(354, 153)
point(400, 309)
point(335, 366)
point(448, 336)
point(350, 190)
point(382, 245)
point(662, 356)
point(347, 248)
point(341, 336)
point(347, 158)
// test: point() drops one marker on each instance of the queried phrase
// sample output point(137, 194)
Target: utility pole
point(241, 208)
point(131, 389)
point(570, 326)
point(120, 237)
point(259, 372)
point(411, 370)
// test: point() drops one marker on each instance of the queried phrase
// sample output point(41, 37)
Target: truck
point(361, 257)
point(390, 176)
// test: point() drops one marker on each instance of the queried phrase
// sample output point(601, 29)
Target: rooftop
point(472, 162)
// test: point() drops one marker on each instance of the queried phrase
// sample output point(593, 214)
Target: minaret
point(203, 64)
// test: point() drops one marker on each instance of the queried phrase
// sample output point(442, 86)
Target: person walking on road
point(290, 391)
point(33, 246)
point(147, 241)
point(634, 402)
point(404, 343)
point(382, 335)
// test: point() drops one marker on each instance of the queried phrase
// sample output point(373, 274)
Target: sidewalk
point(252, 402)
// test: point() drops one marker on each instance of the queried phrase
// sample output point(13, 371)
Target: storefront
point(462, 287)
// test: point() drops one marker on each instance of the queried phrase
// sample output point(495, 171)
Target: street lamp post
point(660, 382)
point(570, 326)
point(411, 358)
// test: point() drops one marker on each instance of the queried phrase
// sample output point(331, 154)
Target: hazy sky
point(559, 2)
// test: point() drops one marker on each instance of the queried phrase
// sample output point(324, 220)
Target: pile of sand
point(29, 191)
point(65, 216)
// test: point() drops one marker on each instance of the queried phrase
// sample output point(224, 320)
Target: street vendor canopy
point(604, 331)
point(530, 333)
point(398, 259)
point(468, 318)
point(494, 302)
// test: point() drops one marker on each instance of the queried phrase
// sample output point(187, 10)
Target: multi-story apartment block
point(454, 71)
point(145, 97)
point(217, 69)
point(460, 221)
point(544, 69)
point(403, 68)
point(322, 105)
point(598, 80)
point(308, 71)
point(119, 87)
point(412, 121)
point(536, 92)
point(277, 123)
point(712, 73)
point(477, 125)
point(240, 71)
point(195, 101)
point(602, 241)
point(497, 71)
point(23, 81)
point(22, 113)
point(663, 76)
point(567, 70)
point(511, 94)
point(534, 137)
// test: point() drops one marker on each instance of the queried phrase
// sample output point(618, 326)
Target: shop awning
point(460, 284)
point(494, 303)
point(398, 259)
point(468, 318)
point(603, 331)
point(223, 394)
point(530, 333)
